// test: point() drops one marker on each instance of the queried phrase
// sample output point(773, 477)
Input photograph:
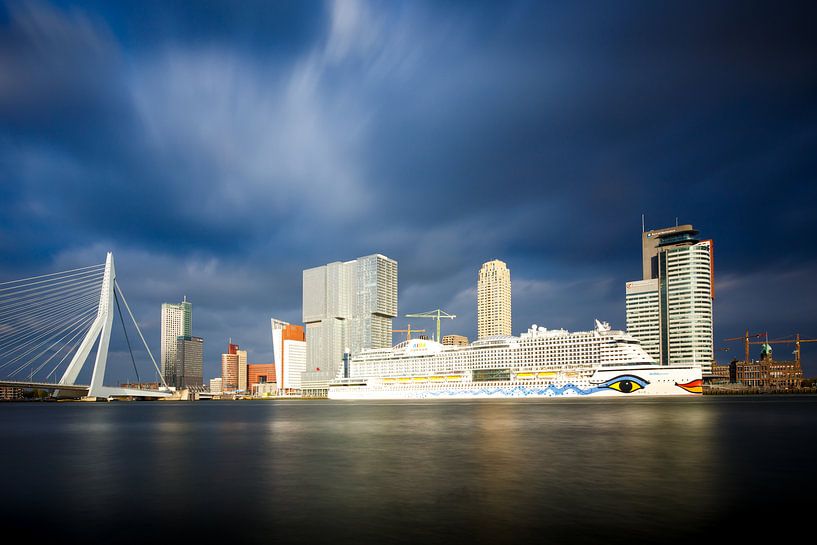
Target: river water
point(556, 471)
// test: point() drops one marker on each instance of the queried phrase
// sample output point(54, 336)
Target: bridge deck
point(83, 389)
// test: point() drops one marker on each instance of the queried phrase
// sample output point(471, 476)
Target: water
point(584, 470)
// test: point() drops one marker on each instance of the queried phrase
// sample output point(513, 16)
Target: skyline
point(220, 155)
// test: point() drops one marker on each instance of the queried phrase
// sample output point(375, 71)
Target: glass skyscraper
point(177, 321)
point(670, 310)
point(346, 306)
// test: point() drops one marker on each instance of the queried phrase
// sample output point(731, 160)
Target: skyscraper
point(289, 352)
point(494, 300)
point(189, 361)
point(229, 369)
point(177, 321)
point(670, 310)
point(346, 306)
point(241, 355)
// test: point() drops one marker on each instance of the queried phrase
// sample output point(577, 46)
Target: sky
point(220, 148)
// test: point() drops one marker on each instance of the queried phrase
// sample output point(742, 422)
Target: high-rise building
point(242, 370)
point(189, 362)
point(229, 368)
point(177, 321)
point(670, 310)
point(455, 340)
point(494, 300)
point(289, 352)
point(346, 306)
point(643, 315)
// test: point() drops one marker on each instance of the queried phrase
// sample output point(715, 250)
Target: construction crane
point(434, 314)
point(745, 340)
point(408, 331)
point(797, 340)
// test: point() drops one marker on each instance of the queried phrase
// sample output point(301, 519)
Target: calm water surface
point(584, 470)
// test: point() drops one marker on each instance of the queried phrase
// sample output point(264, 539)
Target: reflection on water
point(493, 472)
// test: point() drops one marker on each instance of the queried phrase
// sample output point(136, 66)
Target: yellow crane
point(435, 315)
point(796, 341)
point(408, 331)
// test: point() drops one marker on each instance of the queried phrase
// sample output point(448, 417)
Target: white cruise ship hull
point(621, 381)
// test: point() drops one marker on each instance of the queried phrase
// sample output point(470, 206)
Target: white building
point(177, 321)
point(643, 315)
point(346, 306)
point(289, 352)
point(671, 313)
point(216, 386)
point(494, 300)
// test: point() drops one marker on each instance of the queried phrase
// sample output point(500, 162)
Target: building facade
point(229, 369)
point(260, 373)
point(670, 311)
point(455, 340)
point(189, 364)
point(643, 315)
point(289, 351)
point(216, 385)
point(347, 306)
point(177, 321)
point(494, 300)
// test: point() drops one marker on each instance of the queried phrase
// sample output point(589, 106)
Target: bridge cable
point(51, 274)
point(122, 319)
point(127, 307)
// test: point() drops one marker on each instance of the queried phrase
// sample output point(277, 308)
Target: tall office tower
point(177, 321)
point(242, 370)
point(189, 361)
point(346, 306)
point(670, 310)
point(494, 300)
point(375, 303)
point(643, 315)
point(289, 352)
point(229, 369)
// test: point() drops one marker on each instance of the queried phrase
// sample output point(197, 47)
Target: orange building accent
point(291, 332)
point(258, 373)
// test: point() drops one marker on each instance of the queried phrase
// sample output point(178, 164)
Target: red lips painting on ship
point(693, 387)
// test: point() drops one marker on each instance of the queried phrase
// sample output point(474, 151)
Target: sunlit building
point(494, 300)
point(347, 306)
point(229, 369)
point(670, 310)
point(177, 321)
point(455, 340)
point(289, 353)
point(260, 373)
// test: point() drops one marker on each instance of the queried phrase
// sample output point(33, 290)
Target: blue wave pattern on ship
point(518, 391)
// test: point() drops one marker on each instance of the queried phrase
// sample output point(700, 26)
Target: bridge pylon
point(101, 330)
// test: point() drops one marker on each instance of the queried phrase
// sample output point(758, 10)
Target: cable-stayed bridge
point(50, 324)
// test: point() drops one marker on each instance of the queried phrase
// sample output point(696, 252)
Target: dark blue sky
point(219, 148)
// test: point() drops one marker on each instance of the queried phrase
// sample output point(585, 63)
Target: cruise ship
point(538, 363)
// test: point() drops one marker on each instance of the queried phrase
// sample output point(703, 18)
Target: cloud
point(220, 155)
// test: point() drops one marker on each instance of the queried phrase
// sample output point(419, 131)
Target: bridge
point(46, 319)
